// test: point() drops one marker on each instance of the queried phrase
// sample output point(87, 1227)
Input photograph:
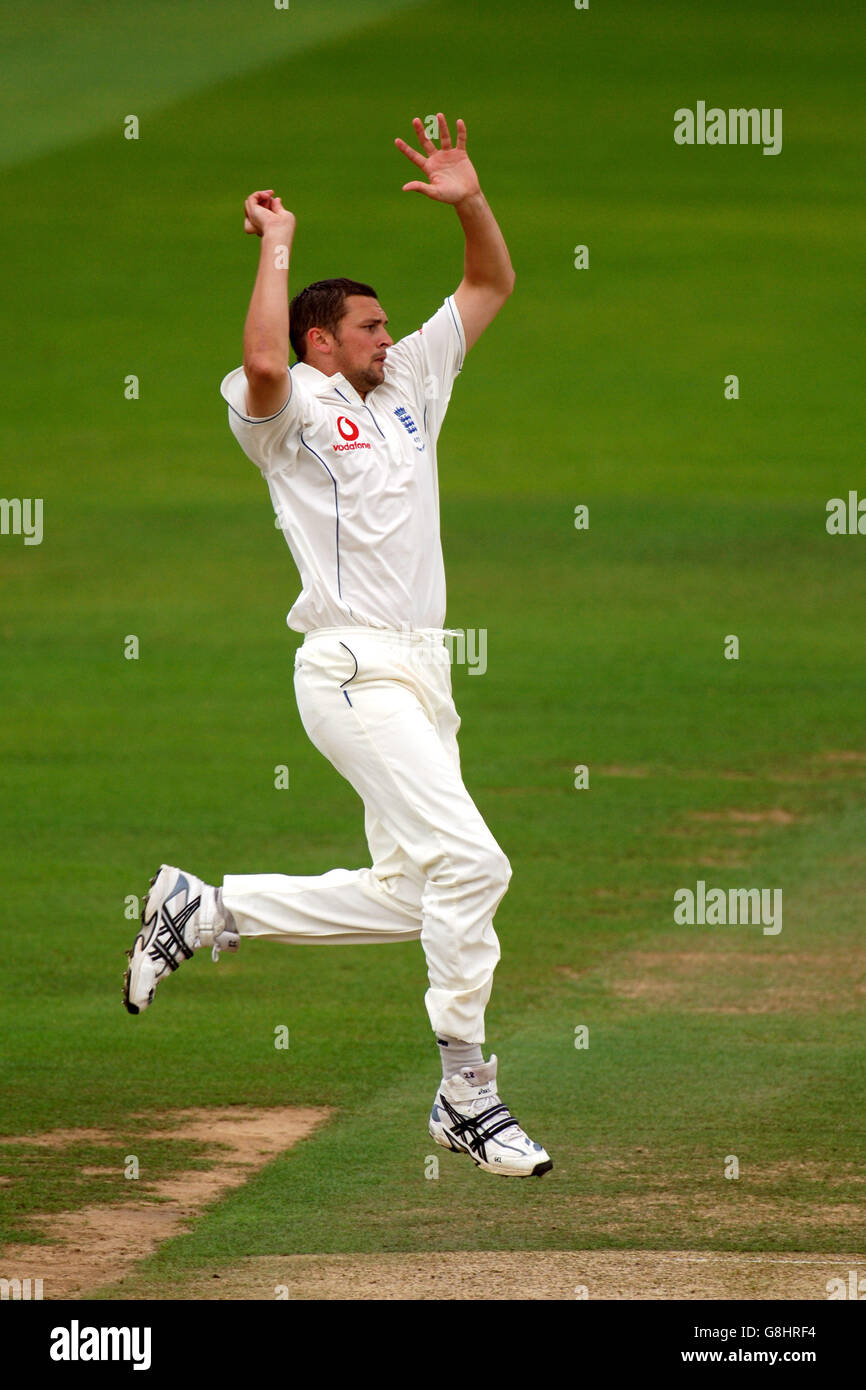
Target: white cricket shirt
point(354, 483)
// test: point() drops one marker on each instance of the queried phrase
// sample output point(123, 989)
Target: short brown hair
point(321, 305)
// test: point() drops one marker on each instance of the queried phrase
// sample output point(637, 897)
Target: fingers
point(415, 157)
point(256, 200)
point(260, 199)
point(249, 204)
point(416, 187)
point(260, 207)
point(420, 131)
point(430, 148)
point(427, 144)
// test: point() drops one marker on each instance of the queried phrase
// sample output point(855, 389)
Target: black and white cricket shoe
point(180, 914)
point(468, 1117)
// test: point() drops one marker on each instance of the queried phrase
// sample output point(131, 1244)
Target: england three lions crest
point(409, 425)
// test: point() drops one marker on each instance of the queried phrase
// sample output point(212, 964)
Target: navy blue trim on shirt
point(260, 419)
point(456, 328)
point(373, 418)
point(364, 404)
point(336, 509)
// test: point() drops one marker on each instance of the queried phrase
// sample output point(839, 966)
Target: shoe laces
point(485, 1104)
point(169, 939)
point(482, 1119)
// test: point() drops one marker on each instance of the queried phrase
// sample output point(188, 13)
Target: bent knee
point(495, 870)
point(478, 867)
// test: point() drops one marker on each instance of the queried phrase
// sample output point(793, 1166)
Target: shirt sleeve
point(433, 358)
point(260, 436)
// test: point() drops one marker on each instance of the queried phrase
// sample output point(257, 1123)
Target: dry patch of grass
point(538, 1275)
point(735, 981)
point(99, 1244)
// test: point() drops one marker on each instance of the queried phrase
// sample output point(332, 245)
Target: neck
point(327, 368)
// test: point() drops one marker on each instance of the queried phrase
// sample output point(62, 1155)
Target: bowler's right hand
point(264, 211)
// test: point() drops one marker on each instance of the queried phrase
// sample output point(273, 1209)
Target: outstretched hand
point(450, 171)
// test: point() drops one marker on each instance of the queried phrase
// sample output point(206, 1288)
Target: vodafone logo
point(349, 430)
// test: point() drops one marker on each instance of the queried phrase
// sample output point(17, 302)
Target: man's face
point(360, 343)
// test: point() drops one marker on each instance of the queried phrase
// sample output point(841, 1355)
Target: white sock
point(456, 1054)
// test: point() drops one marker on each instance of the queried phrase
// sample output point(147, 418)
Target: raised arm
point(266, 331)
point(488, 275)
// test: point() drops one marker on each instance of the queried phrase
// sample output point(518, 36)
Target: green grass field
point(605, 646)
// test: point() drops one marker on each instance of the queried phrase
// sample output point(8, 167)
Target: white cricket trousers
point(377, 703)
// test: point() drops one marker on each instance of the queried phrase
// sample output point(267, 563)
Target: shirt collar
point(320, 384)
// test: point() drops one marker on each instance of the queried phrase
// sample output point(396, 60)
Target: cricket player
point(346, 441)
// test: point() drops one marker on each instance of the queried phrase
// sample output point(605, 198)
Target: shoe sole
point(537, 1172)
point(128, 1005)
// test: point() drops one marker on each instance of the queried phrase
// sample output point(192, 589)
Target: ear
point(320, 339)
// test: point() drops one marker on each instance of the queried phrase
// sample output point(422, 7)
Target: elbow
point(503, 285)
point(264, 369)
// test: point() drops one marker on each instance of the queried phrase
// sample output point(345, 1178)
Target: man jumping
point(346, 441)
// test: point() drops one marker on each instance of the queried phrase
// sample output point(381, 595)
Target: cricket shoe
point(469, 1117)
point(180, 914)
